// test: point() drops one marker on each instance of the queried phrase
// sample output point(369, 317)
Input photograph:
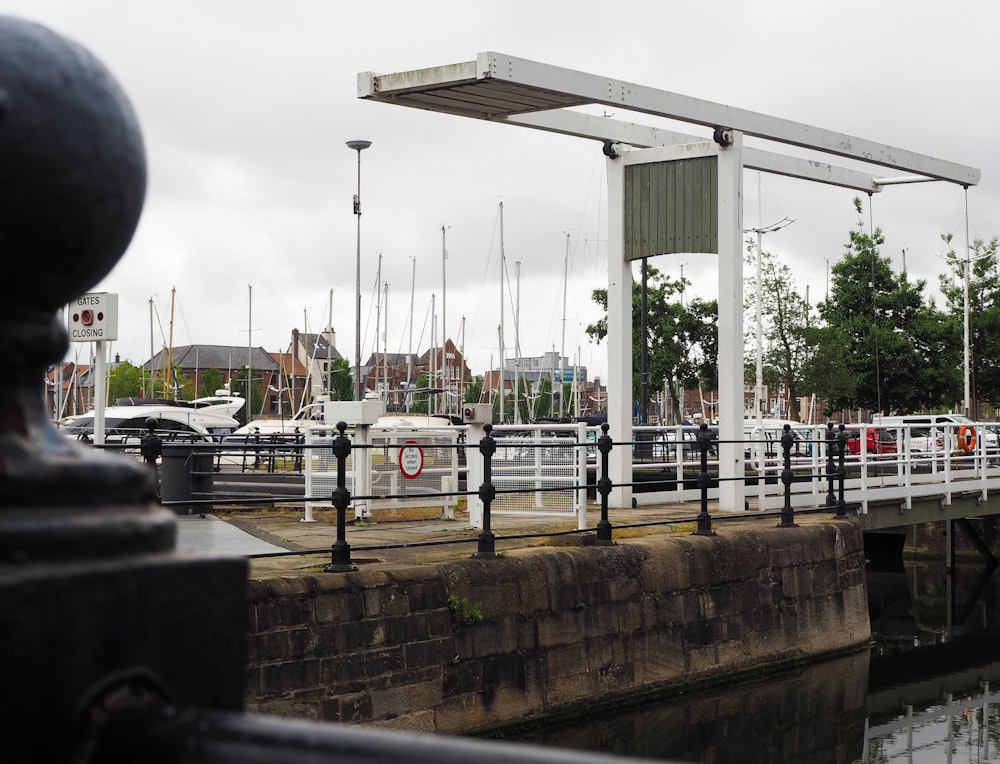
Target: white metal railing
point(541, 468)
point(406, 468)
point(952, 460)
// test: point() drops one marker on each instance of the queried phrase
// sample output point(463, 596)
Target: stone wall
point(468, 645)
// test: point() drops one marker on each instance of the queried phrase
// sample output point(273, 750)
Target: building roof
point(318, 346)
point(221, 357)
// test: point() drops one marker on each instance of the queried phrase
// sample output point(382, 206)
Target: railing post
point(487, 492)
point(604, 487)
point(340, 561)
point(151, 447)
point(704, 519)
point(787, 512)
point(831, 467)
point(841, 474)
point(300, 440)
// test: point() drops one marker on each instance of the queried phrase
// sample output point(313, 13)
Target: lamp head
point(358, 146)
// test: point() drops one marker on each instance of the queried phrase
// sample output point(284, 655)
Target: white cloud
point(246, 107)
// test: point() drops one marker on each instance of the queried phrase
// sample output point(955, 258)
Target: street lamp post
point(358, 146)
point(759, 392)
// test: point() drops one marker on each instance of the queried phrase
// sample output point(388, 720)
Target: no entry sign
point(411, 459)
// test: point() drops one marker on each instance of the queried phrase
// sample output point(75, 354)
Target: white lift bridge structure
point(667, 192)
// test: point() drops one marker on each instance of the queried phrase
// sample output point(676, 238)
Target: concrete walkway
point(280, 542)
point(209, 534)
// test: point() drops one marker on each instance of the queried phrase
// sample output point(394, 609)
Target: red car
point(879, 441)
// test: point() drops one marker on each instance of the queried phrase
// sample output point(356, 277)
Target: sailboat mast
point(169, 378)
point(249, 349)
point(328, 382)
point(385, 343)
point(517, 342)
point(444, 303)
point(503, 268)
point(151, 390)
point(562, 346)
point(430, 396)
point(461, 369)
point(409, 352)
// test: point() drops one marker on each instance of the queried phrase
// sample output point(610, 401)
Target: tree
point(784, 320)
point(984, 315)
point(683, 340)
point(474, 390)
point(898, 352)
point(421, 400)
point(124, 381)
point(339, 381)
point(211, 380)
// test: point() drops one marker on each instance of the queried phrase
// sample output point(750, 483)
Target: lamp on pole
point(759, 393)
point(358, 146)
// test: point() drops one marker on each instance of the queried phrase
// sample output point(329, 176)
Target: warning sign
point(411, 459)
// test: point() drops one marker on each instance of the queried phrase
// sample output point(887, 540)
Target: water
point(925, 693)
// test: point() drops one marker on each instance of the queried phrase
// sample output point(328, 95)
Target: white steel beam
point(606, 130)
point(497, 86)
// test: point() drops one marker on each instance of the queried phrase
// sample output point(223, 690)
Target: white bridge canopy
point(501, 88)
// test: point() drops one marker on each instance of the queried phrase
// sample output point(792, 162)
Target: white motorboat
point(208, 418)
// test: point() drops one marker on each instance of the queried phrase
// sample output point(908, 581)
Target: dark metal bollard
point(787, 513)
point(340, 552)
point(487, 493)
point(704, 519)
point(604, 487)
point(831, 467)
point(841, 474)
point(107, 614)
point(151, 446)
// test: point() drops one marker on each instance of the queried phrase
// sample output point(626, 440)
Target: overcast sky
point(248, 227)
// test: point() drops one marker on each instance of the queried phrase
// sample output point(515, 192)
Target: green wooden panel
point(671, 207)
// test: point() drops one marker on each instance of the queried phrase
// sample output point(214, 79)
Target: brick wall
point(550, 628)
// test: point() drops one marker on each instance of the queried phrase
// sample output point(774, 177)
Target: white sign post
point(94, 318)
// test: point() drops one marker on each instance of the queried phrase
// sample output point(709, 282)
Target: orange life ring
point(967, 438)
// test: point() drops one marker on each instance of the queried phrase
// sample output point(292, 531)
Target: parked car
point(879, 441)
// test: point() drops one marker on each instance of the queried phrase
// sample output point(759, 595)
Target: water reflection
point(815, 714)
point(922, 694)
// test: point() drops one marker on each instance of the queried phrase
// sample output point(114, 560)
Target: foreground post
point(787, 513)
point(341, 551)
point(487, 493)
point(100, 612)
point(704, 519)
point(604, 487)
point(831, 467)
point(841, 474)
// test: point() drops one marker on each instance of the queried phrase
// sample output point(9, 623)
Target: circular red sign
point(411, 459)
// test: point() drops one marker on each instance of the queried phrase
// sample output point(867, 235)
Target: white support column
point(730, 410)
point(619, 340)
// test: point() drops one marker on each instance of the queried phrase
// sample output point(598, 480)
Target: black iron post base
point(340, 558)
point(487, 547)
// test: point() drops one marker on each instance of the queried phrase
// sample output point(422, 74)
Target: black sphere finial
point(74, 181)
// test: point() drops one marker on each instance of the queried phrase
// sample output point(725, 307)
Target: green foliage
point(474, 392)
point(784, 320)
point(984, 314)
point(339, 381)
point(240, 387)
point(466, 614)
point(125, 381)
point(211, 380)
point(883, 347)
point(683, 340)
point(421, 400)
